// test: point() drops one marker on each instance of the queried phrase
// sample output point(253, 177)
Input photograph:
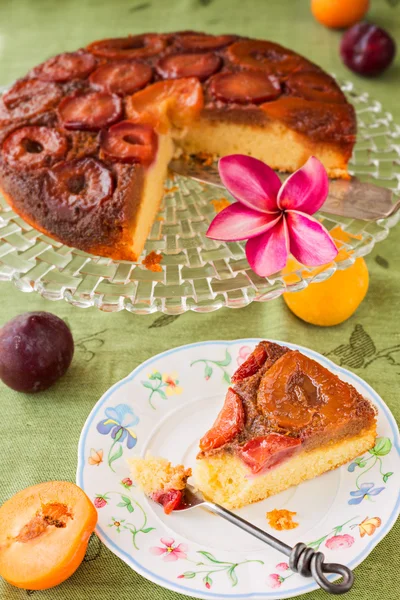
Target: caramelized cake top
point(79, 131)
point(282, 399)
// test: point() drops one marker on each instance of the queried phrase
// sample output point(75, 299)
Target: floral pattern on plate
point(164, 406)
point(118, 423)
point(334, 540)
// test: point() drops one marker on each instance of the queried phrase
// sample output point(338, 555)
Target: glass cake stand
point(197, 274)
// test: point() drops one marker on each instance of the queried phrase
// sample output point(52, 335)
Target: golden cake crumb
point(219, 204)
point(152, 262)
point(206, 158)
point(281, 519)
point(155, 473)
point(170, 190)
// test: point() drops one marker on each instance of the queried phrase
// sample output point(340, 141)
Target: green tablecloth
point(39, 434)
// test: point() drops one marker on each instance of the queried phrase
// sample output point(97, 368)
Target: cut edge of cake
point(282, 148)
point(154, 473)
point(225, 479)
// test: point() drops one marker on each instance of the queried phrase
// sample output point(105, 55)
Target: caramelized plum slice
point(133, 46)
point(296, 388)
point(200, 65)
point(121, 77)
point(176, 101)
point(266, 56)
point(265, 452)
point(66, 66)
point(31, 90)
point(314, 86)
point(34, 147)
point(91, 111)
point(27, 98)
point(245, 87)
point(251, 365)
point(80, 184)
point(202, 41)
point(169, 499)
point(130, 143)
point(317, 120)
point(228, 424)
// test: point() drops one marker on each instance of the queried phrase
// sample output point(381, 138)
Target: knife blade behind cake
point(352, 198)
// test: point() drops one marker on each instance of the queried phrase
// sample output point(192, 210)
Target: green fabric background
point(39, 434)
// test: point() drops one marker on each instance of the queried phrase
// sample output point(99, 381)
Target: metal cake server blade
point(302, 559)
point(346, 198)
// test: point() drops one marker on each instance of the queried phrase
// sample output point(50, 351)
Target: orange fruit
point(339, 14)
point(44, 533)
point(332, 301)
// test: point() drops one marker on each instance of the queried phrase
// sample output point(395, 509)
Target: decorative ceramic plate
point(164, 406)
point(197, 273)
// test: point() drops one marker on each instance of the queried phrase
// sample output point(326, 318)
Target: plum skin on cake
point(86, 137)
point(286, 419)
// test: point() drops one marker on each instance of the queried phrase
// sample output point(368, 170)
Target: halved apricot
point(44, 532)
point(173, 101)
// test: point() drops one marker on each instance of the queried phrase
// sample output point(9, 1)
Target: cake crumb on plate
point(281, 519)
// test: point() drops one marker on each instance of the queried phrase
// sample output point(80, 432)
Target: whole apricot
point(338, 14)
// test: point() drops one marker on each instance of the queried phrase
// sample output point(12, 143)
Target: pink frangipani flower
point(275, 218)
point(170, 552)
point(338, 542)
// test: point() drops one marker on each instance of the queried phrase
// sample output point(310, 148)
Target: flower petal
point(268, 252)
point(365, 487)
point(105, 426)
point(167, 542)
point(237, 222)
point(306, 189)
point(358, 493)
point(310, 242)
point(375, 491)
point(113, 413)
point(250, 181)
point(356, 500)
point(157, 551)
point(131, 439)
point(170, 557)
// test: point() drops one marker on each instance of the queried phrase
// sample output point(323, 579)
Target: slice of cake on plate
point(285, 419)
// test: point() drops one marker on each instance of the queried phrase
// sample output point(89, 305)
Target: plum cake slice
point(285, 419)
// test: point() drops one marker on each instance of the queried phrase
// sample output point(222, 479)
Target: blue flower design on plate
point(366, 491)
point(119, 422)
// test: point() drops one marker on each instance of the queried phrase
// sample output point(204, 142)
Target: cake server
point(302, 560)
point(346, 198)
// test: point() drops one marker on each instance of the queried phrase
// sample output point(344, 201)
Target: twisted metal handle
point(302, 559)
point(309, 563)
